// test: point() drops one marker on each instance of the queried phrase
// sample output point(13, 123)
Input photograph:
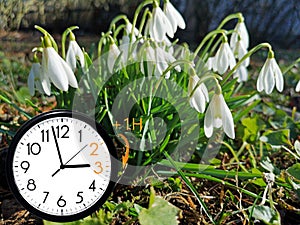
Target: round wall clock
point(60, 166)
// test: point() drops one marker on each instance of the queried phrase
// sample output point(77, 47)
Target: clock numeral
point(100, 168)
point(63, 128)
point(45, 135)
point(31, 185)
point(25, 165)
point(61, 202)
point(79, 196)
point(80, 135)
point(93, 153)
point(47, 193)
point(34, 148)
point(92, 186)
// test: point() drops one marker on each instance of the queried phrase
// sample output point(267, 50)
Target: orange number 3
point(99, 166)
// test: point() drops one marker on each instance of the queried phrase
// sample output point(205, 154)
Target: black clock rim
point(70, 114)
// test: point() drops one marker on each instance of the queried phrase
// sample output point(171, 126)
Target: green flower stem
point(251, 52)
point(118, 30)
point(210, 36)
point(234, 155)
point(143, 20)
point(291, 66)
point(112, 25)
point(191, 187)
point(136, 14)
point(43, 31)
point(64, 38)
point(211, 170)
point(224, 21)
point(101, 41)
point(214, 179)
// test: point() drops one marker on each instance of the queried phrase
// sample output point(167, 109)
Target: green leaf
point(294, 170)
point(161, 212)
point(277, 138)
point(265, 214)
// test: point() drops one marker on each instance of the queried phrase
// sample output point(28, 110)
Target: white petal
point(233, 39)
point(70, 75)
point(278, 75)
point(210, 62)
point(269, 79)
point(208, 121)
point(204, 91)
point(170, 16)
point(242, 30)
point(55, 70)
point(79, 54)
point(71, 57)
point(227, 120)
point(260, 80)
point(241, 73)
point(298, 87)
point(222, 60)
point(45, 82)
point(113, 54)
point(30, 81)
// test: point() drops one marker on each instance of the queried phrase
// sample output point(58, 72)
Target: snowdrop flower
point(240, 51)
point(270, 75)
point(55, 69)
point(240, 33)
point(162, 60)
point(199, 95)
point(224, 58)
point(173, 16)
point(241, 73)
point(148, 57)
point(210, 63)
point(74, 51)
point(218, 115)
point(298, 87)
point(34, 79)
point(112, 56)
point(136, 32)
point(159, 25)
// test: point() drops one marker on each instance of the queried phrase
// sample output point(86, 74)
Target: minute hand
point(57, 147)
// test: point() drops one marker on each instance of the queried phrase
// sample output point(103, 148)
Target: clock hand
point(57, 148)
point(62, 166)
point(77, 166)
point(75, 155)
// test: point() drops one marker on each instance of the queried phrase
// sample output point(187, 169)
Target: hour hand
point(76, 166)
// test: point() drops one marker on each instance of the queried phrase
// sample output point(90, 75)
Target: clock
point(61, 165)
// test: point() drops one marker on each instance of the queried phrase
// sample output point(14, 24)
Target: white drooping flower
point(218, 115)
point(174, 16)
point(148, 58)
point(270, 76)
point(112, 56)
point(199, 95)
point(297, 89)
point(159, 25)
point(74, 52)
point(210, 63)
point(56, 70)
point(163, 60)
point(241, 73)
point(240, 33)
point(224, 58)
point(240, 51)
point(136, 33)
point(34, 80)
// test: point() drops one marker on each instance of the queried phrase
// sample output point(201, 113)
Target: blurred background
point(274, 21)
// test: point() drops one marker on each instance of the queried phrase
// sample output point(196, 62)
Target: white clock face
point(61, 166)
